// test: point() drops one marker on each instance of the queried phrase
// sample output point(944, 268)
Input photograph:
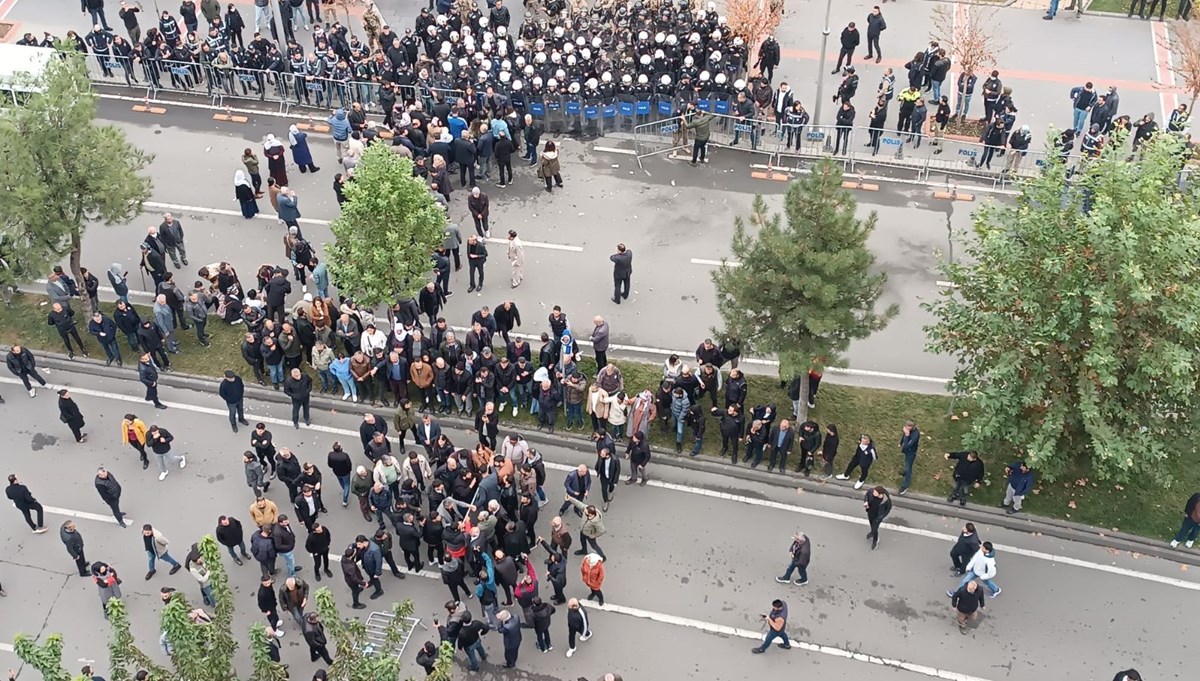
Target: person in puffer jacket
point(983, 568)
point(339, 129)
point(680, 406)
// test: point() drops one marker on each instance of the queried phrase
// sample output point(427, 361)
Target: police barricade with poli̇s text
point(806, 142)
point(884, 148)
point(967, 159)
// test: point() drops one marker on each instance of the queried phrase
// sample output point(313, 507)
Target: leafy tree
point(123, 653)
point(1074, 315)
point(802, 289)
point(62, 171)
point(356, 658)
point(265, 669)
point(45, 658)
point(389, 226)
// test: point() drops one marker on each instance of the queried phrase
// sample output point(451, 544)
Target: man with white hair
point(801, 554)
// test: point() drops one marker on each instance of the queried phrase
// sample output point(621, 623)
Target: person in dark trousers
point(476, 257)
point(68, 413)
point(104, 330)
point(910, 440)
point(110, 493)
point(148, 375)
point(268, 601)
point(74, 542)
point(768, 57)
point(622, 272)
point(372, 563)
point(314, 636)
point(964, 549)
point(21, 497)
point(233, 391)
point(968, 604)
point(1190, 527)
point(878, 504)
point(353, 576)
point(800, 553)
point(578, 624)
point(510, 631)
point(63, 321)
point(968, 473)
point(230, 535)
point(427, 656)
point(21, 363)
point(298, 386)
point(781, 441)
point(875, 26)
point(849, 40)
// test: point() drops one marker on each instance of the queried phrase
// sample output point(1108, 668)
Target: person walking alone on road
point(864, 456)
point(516, 257)
point(878, 504)
point(233, 391)
point(983, 568)
point(68, 413)
point(74, 542)
point(110, 493)
point(875, 26)
point(21, 497)
point(22, 364)
point(622, 272)
point(776, 627)
point(476, 257)
point(298, 386)
point(1020, 482)
point(592, 574)
point(578, 623)
point(801, 553)
point(148, 375)
point(160, 442)
point(157, 548)
point(968, 604)
point(1190, 527)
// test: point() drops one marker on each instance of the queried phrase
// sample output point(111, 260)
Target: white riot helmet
point(643, 36)
point(539, 58)
point(517, 86)
point(643, 79)
point(520, 43)
point(737, 41)
point(591, 83)
point(626, 79)
point(660, 37)
point(502, 48)
point(504, 76)
point(441, 20)
point(573, 88)
point(739, 84)
point(506, 65)
point(571, 60)
point(581, 41)
point(606, 77)
point(482, 75)
point(721, 20)
point(716, 34)
point(552, 83)
point(528, 70)
point(560, 74)
point(537, 81)
point(585, 54)
point(487, 64)
point(483, 22)
point(597, 42)
point(645, 60)
point(501, 31)
point(487, 37)
point(521, 61)
point(539, 44)
point(463, 63)
point(558, 31)
point(447, 67)
point(444, 49)
point(672, 40)
point(704, 76)
point(556, 57)
point(568, 48)
point(665, 80)
point(659, 54)
point(454, 36)
point(694, 38)
point(715, 56)
point(720, 79)
point(712, 6)
point(689, 61)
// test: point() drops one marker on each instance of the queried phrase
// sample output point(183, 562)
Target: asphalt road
point(692, 558)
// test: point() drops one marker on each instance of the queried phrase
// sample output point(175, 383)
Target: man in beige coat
point(516, 256)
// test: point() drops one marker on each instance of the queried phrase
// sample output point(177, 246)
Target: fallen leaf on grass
point(937, 476)
point(1119, 488)
point(1183, 568)
point(1071, 504)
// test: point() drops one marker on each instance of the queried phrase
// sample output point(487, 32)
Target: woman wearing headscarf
point(244, 191)
point(300, 152)
point(276, 163)
point(549, 168)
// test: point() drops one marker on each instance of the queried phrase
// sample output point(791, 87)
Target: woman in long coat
point(300, 151)
point(276, 162)
point(244, 191)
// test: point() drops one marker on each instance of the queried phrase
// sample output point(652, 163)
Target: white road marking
point(947, 284)
point(716, 263)
point(752, 635)
point(71, 513)
point(761, 503)
point(614, 150)
point(313, 221)
point(6, 647)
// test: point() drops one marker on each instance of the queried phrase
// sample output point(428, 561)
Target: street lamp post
point(816, 119)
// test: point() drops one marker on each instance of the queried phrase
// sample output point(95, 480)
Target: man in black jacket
point(968, 473)
point(110, 493)
point(850, 39)
point(622, 272)
point(74, 542)
point(127, 320)
point(153, 343)
point(22, 498)
point(68, 413)
point(229, 534)
point(252, 354)
point(277, 290)
point(875, 26)
point(148, 375)
point(21, 363)
point(105, 332)
point(768, 57)
point(476, 257)
point(233, 391)
point(964, 549)
point(298, 386)
point(63, 321)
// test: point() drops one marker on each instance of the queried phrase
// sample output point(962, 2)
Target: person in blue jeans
point(983, 568)
point(156, 546)
point(801, 552)
point(1082, 100)
point(339, 462)
point(910, 440)
point(776, 627)
point(1191, 523)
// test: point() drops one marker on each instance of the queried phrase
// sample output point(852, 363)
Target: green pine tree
point(61, 172)
point(389, 227)
point(804, 287)
point(1075, 316)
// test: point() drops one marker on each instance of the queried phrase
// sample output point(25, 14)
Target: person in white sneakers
point(1191, 523)
point(578, 623)
point(983, 568)
point(864, 456)
point(160, 441)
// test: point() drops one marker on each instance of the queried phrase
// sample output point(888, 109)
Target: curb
point(921, 503)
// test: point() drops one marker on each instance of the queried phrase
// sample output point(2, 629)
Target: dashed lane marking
point(698, 491)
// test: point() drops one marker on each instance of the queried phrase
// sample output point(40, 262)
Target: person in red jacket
point(592, 574)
